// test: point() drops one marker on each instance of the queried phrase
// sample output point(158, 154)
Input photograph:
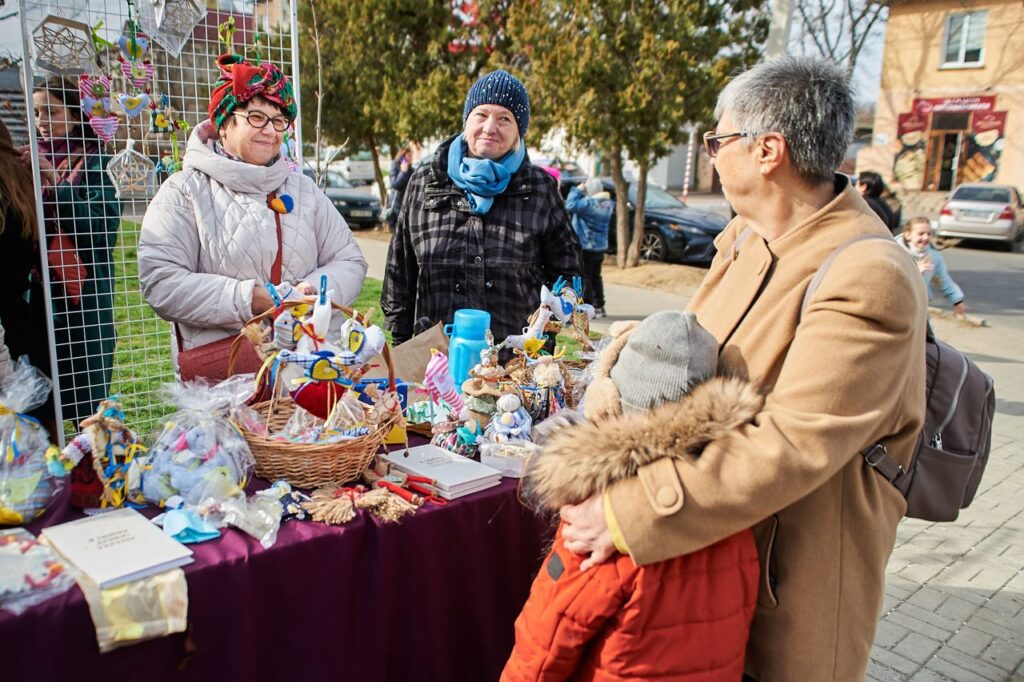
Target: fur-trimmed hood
point(582, 459)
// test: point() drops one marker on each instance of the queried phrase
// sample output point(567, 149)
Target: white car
point(983, 211)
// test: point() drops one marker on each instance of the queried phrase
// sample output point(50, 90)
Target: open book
point(453, 475)
point(117, 547)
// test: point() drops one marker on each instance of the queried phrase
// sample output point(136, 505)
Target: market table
point(433, 597)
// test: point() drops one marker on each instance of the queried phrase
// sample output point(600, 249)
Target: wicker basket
point(309, 465)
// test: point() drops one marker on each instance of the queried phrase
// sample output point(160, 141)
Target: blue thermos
point(468, 338)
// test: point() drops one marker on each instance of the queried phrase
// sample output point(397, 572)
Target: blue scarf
point(482, 179)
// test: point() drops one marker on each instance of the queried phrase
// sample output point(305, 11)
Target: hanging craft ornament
point(135, 65)
point(132, 174)
point(133, 47)
point(133, 105)
point(160, 120)
point(63, 46)
point(95, 94)
point(171, 22)
point(137, 73)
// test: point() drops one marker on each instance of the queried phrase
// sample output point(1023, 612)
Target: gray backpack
point(952, 449)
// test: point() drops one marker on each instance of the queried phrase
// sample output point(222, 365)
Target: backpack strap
point(824, 267)
point(876, 456)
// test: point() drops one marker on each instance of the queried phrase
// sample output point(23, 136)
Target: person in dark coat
point(22, 308)
point(873, 189)
point(82, 217)
point(480, 226)
point(401, 171)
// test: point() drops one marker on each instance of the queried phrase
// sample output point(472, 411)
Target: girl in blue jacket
point(917, 238)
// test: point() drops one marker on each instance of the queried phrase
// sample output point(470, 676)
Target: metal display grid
point(108, 332)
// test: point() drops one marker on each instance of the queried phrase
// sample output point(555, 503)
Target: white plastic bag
point(27, 484)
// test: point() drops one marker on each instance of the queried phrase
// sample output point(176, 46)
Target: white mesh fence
point(107, 340)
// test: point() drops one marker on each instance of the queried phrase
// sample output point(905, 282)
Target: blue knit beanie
point(503, 89)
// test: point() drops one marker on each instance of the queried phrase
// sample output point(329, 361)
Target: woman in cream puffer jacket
point(212, 234)
point(209, 238)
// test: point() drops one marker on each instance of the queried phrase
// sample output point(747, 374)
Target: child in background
point(917, 239)
point(591, 209)
point(683, 618)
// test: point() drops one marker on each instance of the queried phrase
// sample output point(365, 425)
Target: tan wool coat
point(849, 374)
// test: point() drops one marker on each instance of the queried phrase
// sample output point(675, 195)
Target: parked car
point(569, 172)
point(983, 211)
point(673, 232)
point(359, 207)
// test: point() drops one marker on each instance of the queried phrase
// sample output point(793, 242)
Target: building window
point(965, 39)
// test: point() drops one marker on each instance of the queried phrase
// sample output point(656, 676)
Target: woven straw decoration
point(63, 46)
point(171, 22)
point(132, 174)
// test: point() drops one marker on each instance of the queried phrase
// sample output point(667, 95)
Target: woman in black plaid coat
point(480, 226)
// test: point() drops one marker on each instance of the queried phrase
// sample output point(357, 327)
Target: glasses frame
point(713, 142)
point(270, 120)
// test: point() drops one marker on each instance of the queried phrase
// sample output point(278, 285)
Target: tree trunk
point(378, 175)
point(633, 257)
point(621, 205)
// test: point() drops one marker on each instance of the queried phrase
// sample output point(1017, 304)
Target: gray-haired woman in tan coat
point(849, 374)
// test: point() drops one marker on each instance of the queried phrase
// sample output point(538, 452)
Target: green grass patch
point(142, 357)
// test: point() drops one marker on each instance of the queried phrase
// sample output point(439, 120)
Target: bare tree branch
point(839, 31)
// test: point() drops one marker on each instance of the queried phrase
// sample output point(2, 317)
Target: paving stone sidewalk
point(954, 607)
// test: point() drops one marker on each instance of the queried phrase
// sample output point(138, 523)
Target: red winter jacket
point(686, 618)
point(682, 619)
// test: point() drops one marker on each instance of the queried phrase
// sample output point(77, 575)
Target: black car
point(673, 231)
point(358, 207)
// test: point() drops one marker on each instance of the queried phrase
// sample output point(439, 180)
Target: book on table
point(453, 475)
point(117, 547)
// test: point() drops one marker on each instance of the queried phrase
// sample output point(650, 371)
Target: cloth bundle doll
point(511, 421)
point(104, 470)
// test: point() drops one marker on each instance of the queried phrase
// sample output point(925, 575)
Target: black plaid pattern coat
point(443, 257)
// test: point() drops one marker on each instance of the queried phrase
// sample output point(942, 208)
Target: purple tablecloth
point(431, 598)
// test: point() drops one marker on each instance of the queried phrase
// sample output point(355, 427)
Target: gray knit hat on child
point(665, 356)
point(594, 186)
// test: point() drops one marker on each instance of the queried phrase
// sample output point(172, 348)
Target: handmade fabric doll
point(103, 459)
point(654, 379)
point(511, 421)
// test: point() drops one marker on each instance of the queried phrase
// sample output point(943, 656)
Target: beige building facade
point(951, 105)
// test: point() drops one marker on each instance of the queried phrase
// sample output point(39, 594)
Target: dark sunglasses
point(712, 142)
point(259, 120)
